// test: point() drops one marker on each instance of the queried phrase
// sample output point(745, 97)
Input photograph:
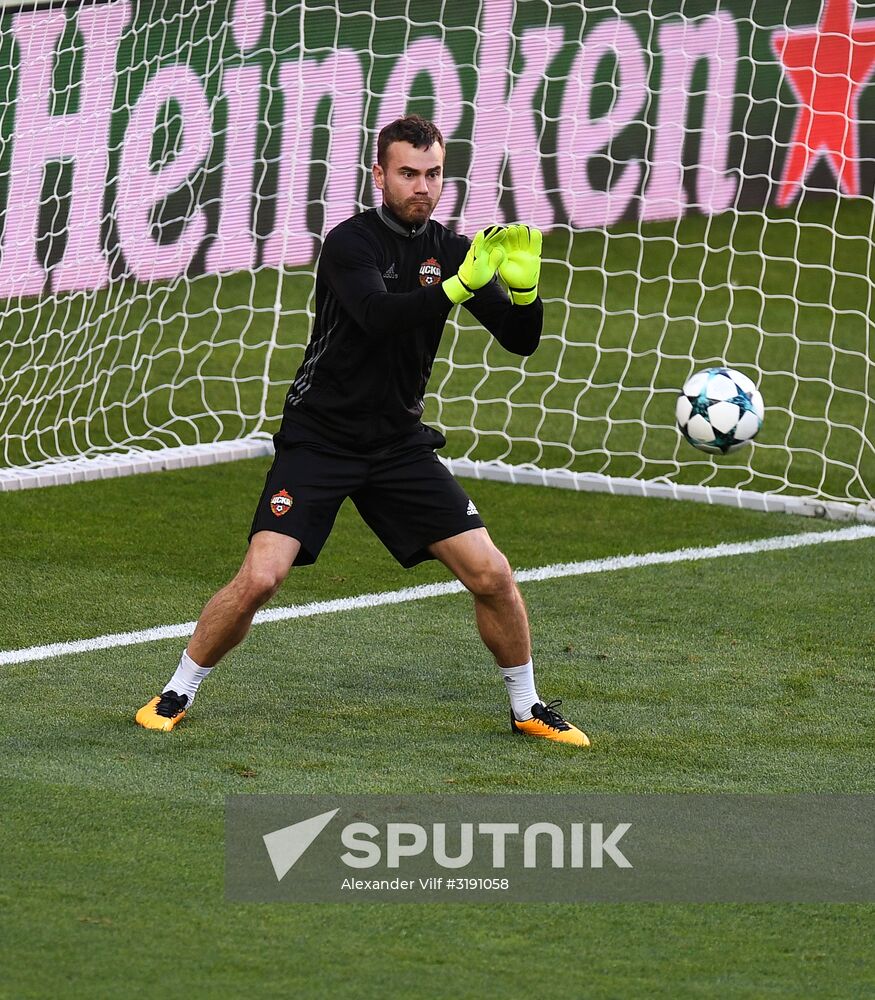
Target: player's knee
point(492, 578)
point(258, 584)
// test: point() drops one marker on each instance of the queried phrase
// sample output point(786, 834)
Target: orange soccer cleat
point(549, 725)
point(163, 711)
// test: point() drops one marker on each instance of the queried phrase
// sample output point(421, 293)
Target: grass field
point(785, 297)
point(748, 674)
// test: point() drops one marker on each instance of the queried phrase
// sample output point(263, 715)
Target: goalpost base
point(594, 482)
point(134, 462)
point(260, 446)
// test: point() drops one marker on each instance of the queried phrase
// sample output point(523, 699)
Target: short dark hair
point(419, 132)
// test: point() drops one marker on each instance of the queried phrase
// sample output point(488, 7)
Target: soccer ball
point(719, 410)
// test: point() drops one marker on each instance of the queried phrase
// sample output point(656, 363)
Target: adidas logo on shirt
point(390, 272)
point(471, 508)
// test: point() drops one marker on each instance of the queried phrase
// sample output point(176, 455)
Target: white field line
point(419, 593)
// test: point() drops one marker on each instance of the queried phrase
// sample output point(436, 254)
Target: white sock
point(520, 683)
point(187, 678)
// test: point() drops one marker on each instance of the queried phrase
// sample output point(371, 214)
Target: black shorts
point(405, 495)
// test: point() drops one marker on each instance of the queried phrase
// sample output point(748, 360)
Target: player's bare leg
point(223, 624)
point(502, 620)
point(227, 617)
point(503, 623)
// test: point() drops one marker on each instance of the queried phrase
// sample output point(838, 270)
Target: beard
point(413, 210)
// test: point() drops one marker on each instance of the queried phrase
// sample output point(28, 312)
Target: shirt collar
point(391, 220)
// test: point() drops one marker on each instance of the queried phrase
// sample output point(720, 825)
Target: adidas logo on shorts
point(471, 508)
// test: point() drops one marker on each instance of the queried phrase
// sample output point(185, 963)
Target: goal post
point(703, 174)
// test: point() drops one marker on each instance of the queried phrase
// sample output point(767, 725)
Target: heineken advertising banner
point(154, 139)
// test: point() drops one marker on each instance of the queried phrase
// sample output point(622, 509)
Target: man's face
point(411, 181)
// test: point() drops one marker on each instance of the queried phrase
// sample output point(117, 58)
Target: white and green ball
point(719, 410)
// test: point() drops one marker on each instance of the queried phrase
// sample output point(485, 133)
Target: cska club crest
point(429, 272)
point(281, 503)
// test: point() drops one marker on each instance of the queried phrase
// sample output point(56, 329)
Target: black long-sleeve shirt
point(380, 314)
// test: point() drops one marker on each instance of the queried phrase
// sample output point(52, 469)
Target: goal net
point(703, 174)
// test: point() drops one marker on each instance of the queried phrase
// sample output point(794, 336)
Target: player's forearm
point(516, 328)
point(385, 313)
point(519, 329)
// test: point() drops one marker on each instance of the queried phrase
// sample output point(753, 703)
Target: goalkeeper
point(386, 282)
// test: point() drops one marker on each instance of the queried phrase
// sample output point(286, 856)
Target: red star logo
point(827, 67)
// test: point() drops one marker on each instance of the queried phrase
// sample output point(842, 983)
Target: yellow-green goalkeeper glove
point(479, 266)
point(521, 267)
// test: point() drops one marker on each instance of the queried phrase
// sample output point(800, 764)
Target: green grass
point(630, 314)
point(751, 674)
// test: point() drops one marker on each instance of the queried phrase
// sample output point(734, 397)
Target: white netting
point(704, 176)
